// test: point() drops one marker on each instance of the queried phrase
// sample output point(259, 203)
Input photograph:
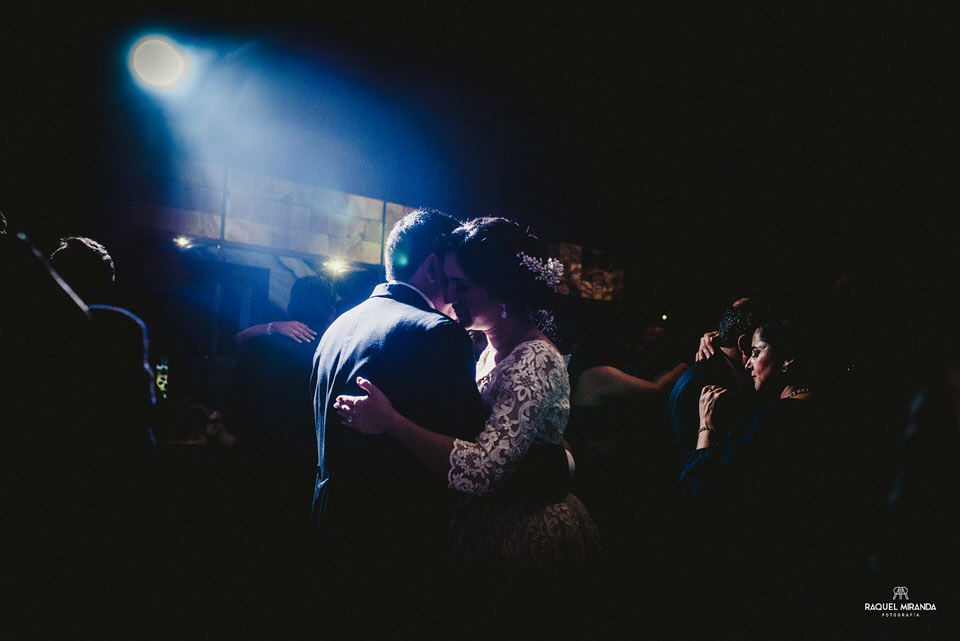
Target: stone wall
point(269, 212)
point(581, 277)
point(298, 219)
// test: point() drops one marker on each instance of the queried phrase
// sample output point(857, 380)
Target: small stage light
point(336, 266)
point(182, 241)
point(158, 62)
point(664, 317)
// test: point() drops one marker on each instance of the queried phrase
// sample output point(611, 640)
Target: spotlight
point(664, 317)
point(336, 266)
point(182, 241)
point(158, 62)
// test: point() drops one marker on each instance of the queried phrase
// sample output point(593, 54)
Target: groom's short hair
point(415, 236)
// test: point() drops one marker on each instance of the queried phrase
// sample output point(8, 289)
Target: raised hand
point(708, 403)
point(706, 346)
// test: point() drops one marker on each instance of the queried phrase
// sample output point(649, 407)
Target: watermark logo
point(901, 606)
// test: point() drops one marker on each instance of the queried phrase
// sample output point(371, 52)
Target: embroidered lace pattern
point(528, 393)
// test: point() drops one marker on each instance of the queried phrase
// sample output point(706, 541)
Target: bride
point(498, 275)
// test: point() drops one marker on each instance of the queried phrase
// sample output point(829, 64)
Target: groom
point(375, 505)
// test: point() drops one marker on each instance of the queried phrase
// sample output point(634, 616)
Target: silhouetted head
point(86, 266)
point(312, 301)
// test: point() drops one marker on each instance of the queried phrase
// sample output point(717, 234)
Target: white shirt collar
point(422, 295)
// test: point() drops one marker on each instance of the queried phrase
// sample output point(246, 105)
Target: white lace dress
point(528, 394)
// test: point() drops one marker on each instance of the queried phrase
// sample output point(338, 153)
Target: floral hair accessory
point(549, 271)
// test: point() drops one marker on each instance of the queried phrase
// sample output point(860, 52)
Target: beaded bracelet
point(706, 428)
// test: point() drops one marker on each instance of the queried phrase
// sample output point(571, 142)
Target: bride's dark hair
point(488, 250)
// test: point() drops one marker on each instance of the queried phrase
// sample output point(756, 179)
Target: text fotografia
point(900, 609)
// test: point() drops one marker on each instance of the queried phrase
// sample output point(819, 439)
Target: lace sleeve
point(532, 398)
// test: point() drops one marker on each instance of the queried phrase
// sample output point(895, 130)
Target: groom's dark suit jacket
point(373, 487)
point(372, 493)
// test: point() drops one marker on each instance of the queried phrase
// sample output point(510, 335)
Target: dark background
point(701, 149)
point(707, 151)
